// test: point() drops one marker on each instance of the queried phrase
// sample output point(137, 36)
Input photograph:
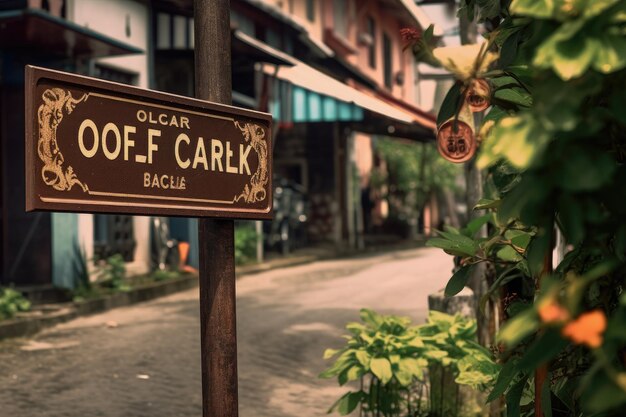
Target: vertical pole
point(216, 237)
point(541, 373)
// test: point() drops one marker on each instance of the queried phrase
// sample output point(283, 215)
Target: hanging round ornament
point(478, 97)
point(456, 141)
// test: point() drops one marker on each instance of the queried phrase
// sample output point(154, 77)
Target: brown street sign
point(97, 146)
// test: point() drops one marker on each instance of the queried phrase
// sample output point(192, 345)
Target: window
point(114, 74)
point(340, 17)
point(243, 23)
point(310, 10)
point(114, 235)
point(173, 31)
point(371, 31)
point(387, 61)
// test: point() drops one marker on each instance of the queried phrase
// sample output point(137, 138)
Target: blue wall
point(186, 230)
point(64, 237)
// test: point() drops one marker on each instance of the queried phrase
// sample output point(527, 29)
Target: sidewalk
point(47, 315)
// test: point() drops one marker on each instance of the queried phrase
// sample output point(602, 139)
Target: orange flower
point(587, 329)
point(552, 312)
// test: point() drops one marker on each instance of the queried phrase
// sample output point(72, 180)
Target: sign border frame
point(32, 76)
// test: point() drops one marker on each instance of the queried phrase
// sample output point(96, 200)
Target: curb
point(28, 325)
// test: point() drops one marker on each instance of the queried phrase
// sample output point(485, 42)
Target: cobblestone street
point(144, 360)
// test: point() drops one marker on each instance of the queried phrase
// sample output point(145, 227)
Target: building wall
point(357, 51)
point(126, 20)
point(354, 51)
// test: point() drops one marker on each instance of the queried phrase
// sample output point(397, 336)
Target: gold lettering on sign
point(56, 103)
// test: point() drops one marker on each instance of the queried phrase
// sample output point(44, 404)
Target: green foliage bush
point(390, 359)
point(413, 172)
point(12, 302)
point(111, 273)
point(554, 147)
point(245, 244)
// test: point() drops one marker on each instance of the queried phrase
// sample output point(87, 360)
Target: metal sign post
point(213, 81)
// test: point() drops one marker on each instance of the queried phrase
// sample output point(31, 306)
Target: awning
point(34, 31)
point(257, 50)
point(318, 90)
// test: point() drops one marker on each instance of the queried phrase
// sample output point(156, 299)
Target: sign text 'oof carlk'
point(96, 146)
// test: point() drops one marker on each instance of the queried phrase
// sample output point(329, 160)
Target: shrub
point(11, 302)
point(245, 244)
point(390, 359)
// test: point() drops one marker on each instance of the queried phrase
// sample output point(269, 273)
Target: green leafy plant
point(12, 302)
point(390, 358)
point(413, 172)
point(80, 265)
point(553, 149)
point(164, 275)
point(111, 273)
point(245, 244)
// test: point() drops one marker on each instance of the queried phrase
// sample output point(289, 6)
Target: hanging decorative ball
point(456, 143)
point(478, 97)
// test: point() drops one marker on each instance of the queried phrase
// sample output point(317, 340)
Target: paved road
point(144, 360)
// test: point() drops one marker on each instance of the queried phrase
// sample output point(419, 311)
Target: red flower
point(410, 35)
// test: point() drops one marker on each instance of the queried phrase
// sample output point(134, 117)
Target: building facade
point(333, 73)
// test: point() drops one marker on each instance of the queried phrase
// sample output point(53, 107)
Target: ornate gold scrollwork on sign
point(255, 191)
point(56, 101)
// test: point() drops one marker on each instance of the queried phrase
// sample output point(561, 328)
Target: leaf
point(412, 366)
point(517, 328)
point(546, 398)
point(514, 95)
point(371, 317)
point(595, 7)
point(485, 203)
point(508, 254)
point(567, 52)
point(542, 9)
point(611, 54)
point(404, 378)
point(508, 52)
point(344, 361)
point(571, 219)
point(546, 347)
point(458, 281)
point(436, 354)
point(505, 376)
point(517, 139)
point(347, 403)
point(329, 353)
point(364, 358)
point(584, 168)
point(504, 81)
point(476, 224)
point(514, 397)
point(488, 9)
point(456, 245)
point(450, 104)
point(602, 394)
point(519, 238)
point(538, 249)
point(354, 373)
point(381, 367)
